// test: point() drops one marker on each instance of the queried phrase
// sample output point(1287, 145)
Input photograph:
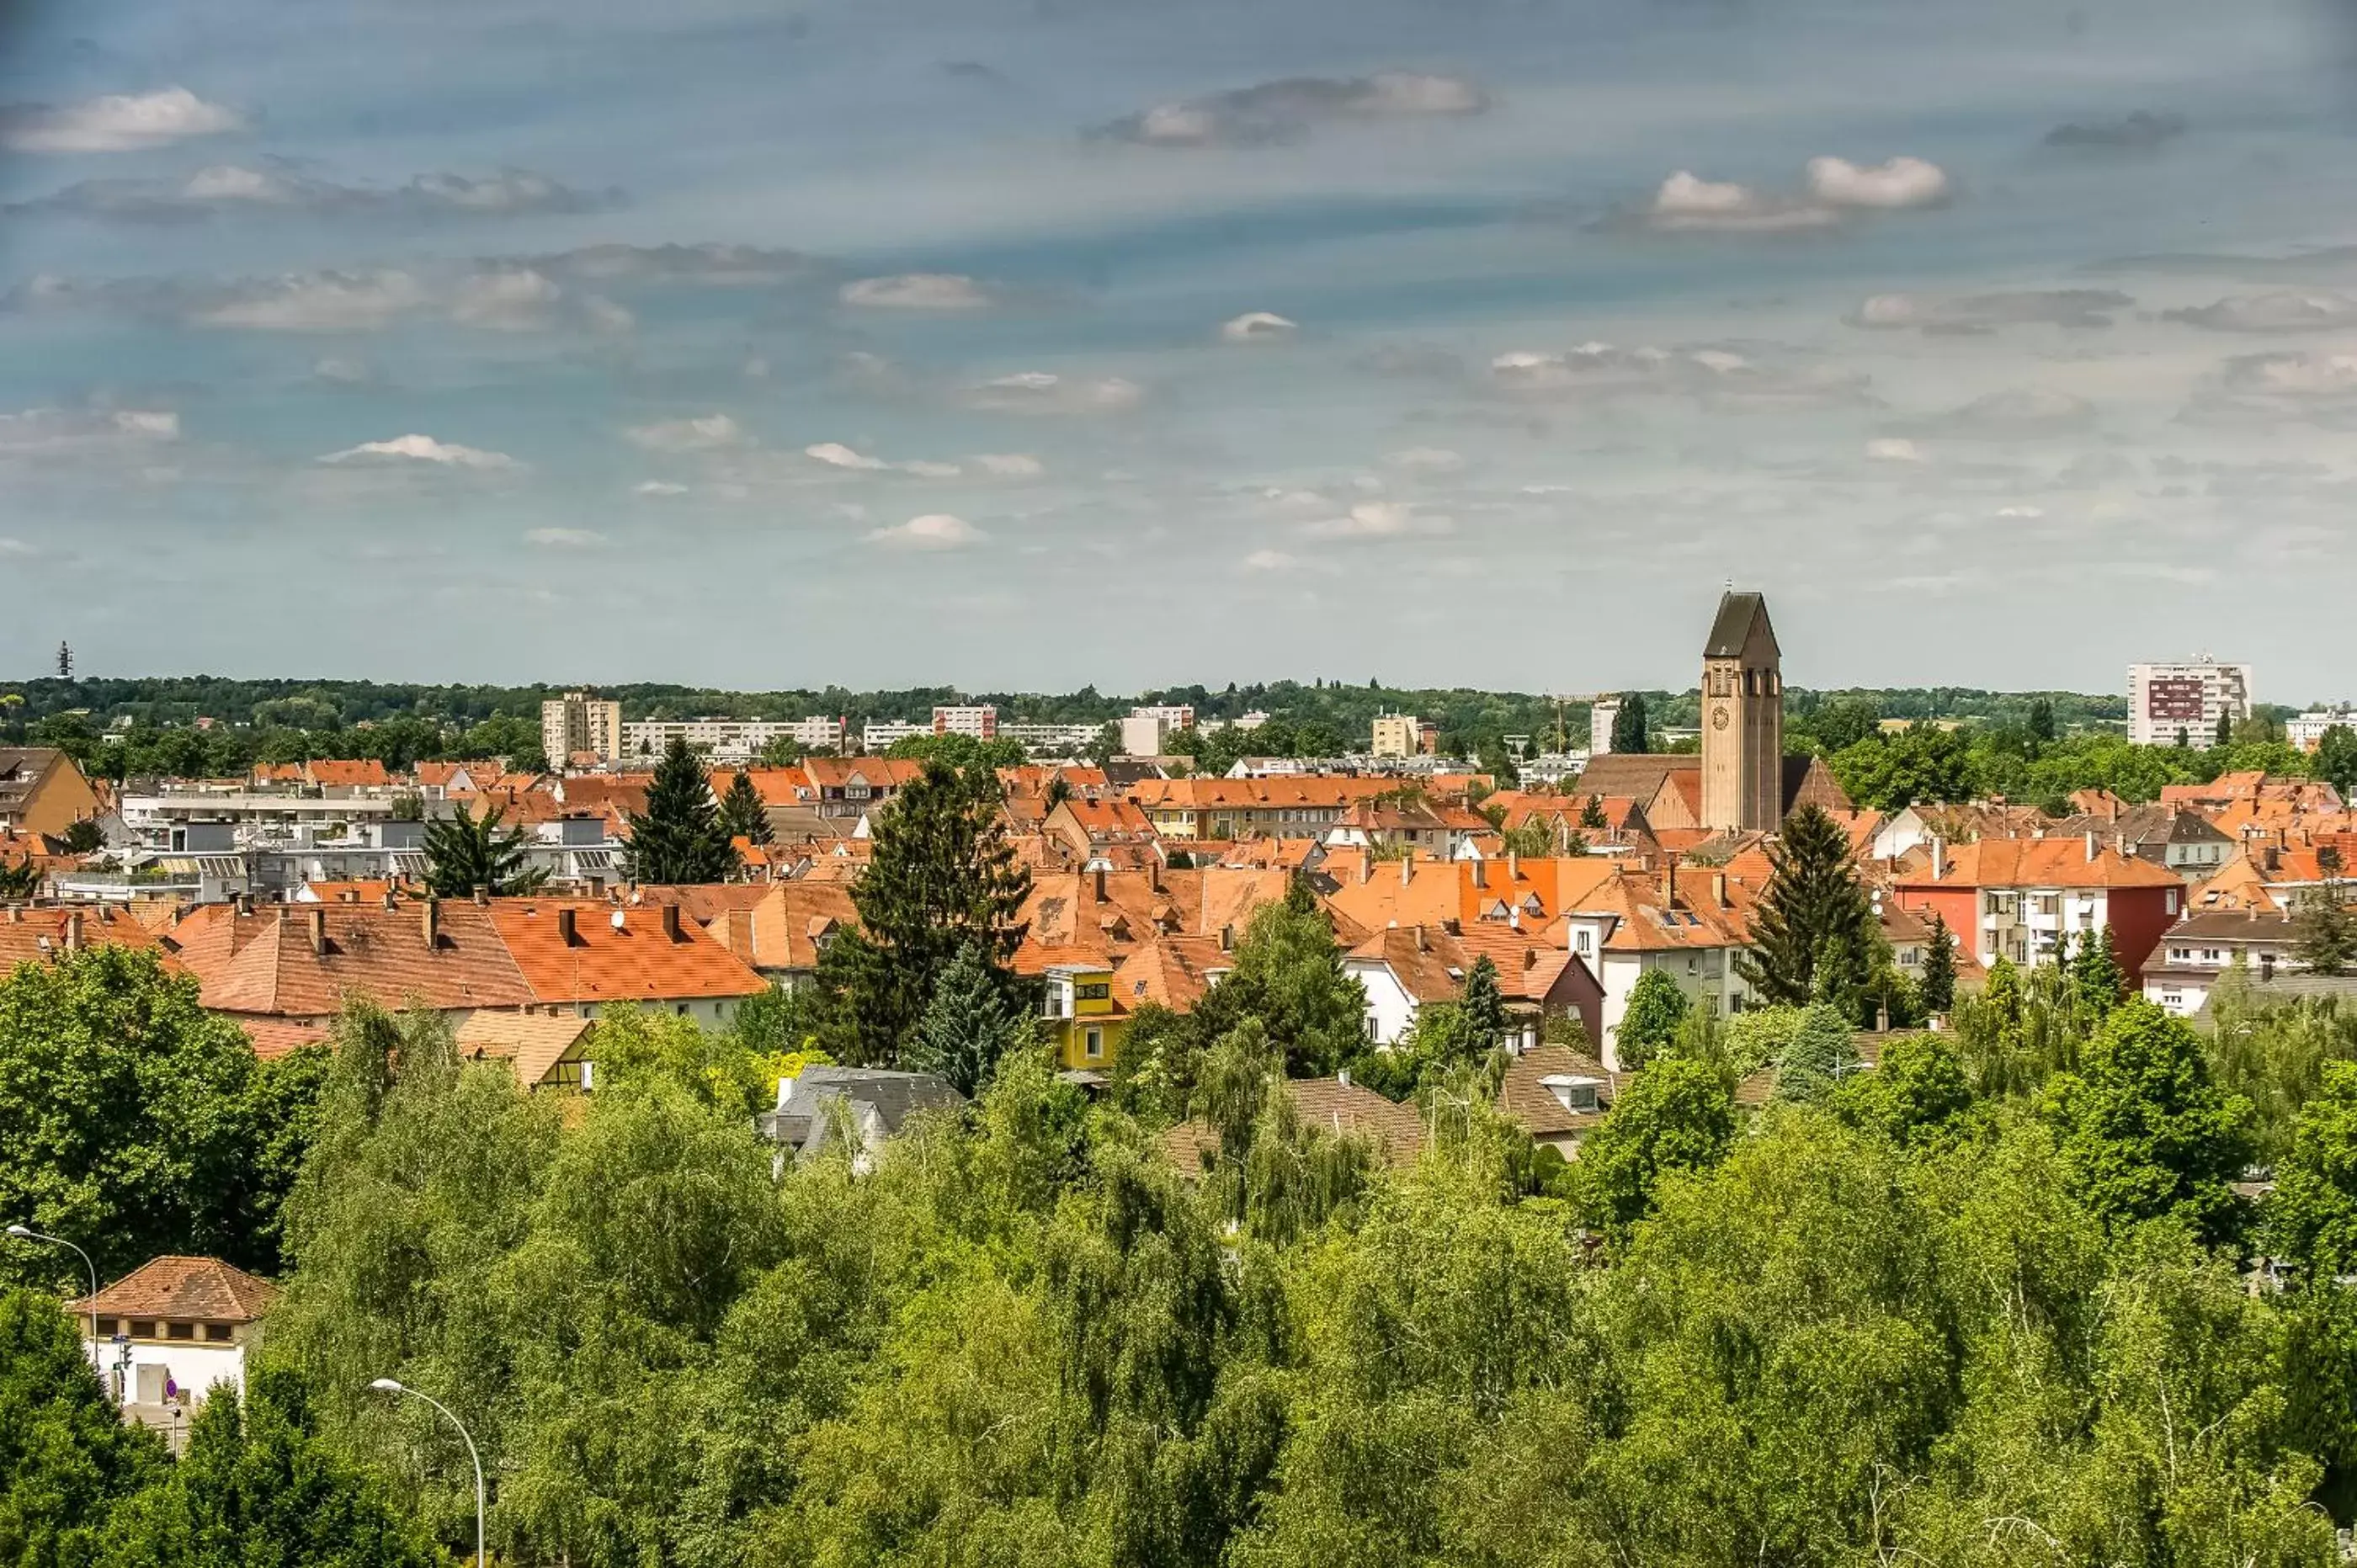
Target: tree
point(679, 837)
point(2312, 1215)
point(1940, 968)
point(135, 1122)
point(1676, 1115)
point(966, 1028)
point(1484, 1005)
point(1650, 1022)
point(1591, 816)
point(466, 851)
point(257, 1490)
point(2096, 975)
point(1822, 1053)
point(742, 815)
point(22, 880)
point(2042, 721)
point(66, 1456)
point(1915, 1094)
point(1288, 975)
point(2324, 932)
point(2336, 758)
point(84, 836)
point(943, 879)
point(2145, 1133)
point(1812, 913)
point(1629, 730)
point(2225, 732)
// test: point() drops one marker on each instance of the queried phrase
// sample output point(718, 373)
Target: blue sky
point(1111, 341)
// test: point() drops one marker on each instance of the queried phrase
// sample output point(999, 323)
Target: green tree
point(966, 1028)
point(2312, 1215)
point(679, 837)
point(84, 836)
point(2145, 1133)
point(1630, 729)
point(135, 1122)
point(21, 880)
point(1822, 1053)
point(2225, 732)
point(742, 815)
point(1287, 974)
point(1650, 1022)
point(66, 1456)
point(2042, 720)
point(1676, 1115)
point(1916, 1093)
point(1811, 913)
point(256, 1488)
point(1940, 968)
point(1484, 1005)
point(2096, 975)
point(943, 878)
point(463, 851)
point(2324, 932)
point(2336, 758)
point(1591, 816)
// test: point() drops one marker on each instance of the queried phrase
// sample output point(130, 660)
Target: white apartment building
point(2163, 699)
point(1397, 735)
point(1602, 715)
point(2309, 728)
point(579, 722)
point(729, 740)
point(981, 723)
point(1050, 740)
point(1148, 730)
point(880, 734)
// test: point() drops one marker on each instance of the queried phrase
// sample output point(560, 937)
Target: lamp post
point(26, 1233)
point(388, 1386)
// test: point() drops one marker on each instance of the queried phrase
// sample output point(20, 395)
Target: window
point(219, 1332)
point(180, 1331)
point(1093, 990)
point(1093, 1045)
point(142, 1329)
point(1694, 964)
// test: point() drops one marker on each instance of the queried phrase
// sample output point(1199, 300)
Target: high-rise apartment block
point(579, 723)
point(2169, 700)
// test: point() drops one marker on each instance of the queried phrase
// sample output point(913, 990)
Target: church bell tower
point(1742, 719)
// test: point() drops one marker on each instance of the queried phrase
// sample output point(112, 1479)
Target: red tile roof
point(204, 1289)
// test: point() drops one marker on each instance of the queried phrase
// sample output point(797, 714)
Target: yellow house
point(41, 790)
point(1089, 1023)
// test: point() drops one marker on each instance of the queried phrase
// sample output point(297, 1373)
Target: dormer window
point(1572, 1092)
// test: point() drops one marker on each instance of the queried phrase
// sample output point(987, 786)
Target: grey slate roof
point(877, 1099)
point(1732, 629)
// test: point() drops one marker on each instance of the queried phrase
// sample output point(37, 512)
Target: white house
point(171, 1331)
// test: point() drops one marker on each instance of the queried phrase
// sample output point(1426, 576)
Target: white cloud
point(1257, 327)
point(343, 372)
point(2282, 310)
point(1589, 367)
point(1044, 391)
point(919, 290)
point(1894, 449)
point(836, 455)
point(604, 315)
point(2021, 512)
point(1379, 520)
point(1899, 184)
point(509, 299)
point(1687, 202)
point(2020, 411)
point(15, 547)
point(712, 432)
point(1011, 465)
point(565, 538)
point(317, 302)
point(422, 449)
point(935, 531)
point(1269, 561)
point(1277, 111)
point(1975, 313)
point(118, 123)
point(62, 432)
point(224, 190)
point(658, 488)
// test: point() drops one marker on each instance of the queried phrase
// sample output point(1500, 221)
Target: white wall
point(194, 1367)
point(1388, 1002)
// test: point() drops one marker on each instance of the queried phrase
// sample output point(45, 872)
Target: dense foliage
point(680, 837)
point(469, 850)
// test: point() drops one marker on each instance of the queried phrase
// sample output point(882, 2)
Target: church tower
point(1742, 718)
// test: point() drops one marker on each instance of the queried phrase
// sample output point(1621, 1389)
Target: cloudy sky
point(1044, 342)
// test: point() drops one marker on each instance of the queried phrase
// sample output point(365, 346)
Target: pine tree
point(2225, 736)
point(1591, 815)
point(942, 878)
point(466, 851)
point(1940, 968)
point(742, 815)
point(2326, 936)
point(2095, 975)
point(2042, 720)
point(1823, 1050)
point(1630, 731)
point(1484, 1005)
point(1812, 911)
point(967, 1026)
point(679, 837)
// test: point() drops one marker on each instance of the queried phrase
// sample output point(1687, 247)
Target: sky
point(1040, 343)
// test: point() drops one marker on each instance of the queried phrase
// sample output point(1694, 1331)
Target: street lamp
point(25, 1233)
point(388, 1386)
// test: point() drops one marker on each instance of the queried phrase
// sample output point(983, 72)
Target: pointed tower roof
point(1732, 629)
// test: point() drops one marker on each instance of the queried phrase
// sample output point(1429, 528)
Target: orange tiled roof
point(204, 1289)
point(32, 935)
point(615, 954)
point(2044, 863)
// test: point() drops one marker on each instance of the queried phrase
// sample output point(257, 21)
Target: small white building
point(171, 1331)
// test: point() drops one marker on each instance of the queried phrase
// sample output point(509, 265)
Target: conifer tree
point(1823, 1051)
point(679, 837)
point(1631, 732)
point(2225, 734)
point(2095, 975)
point(1591, 815)
point(742, 815)
point(2326, 936)
point(1940, 968)
point(467, 852)
point(967, 1026)
point(1812, 912)
point(1484, 1005)
point(942, 878)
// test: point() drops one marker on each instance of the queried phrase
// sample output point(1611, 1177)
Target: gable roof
point(201, 1288)
point(1525, 1097)
point(1730, 629)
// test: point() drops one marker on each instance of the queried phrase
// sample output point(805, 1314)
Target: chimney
point(1480, 874)
point(1227, 939)
point(670, 922)
point(1939, 857)
point(2091, 843)
point(1514, 867)
point(1423, 940)
point(429, 921)
point(2120, 843)
point(1514, 916)
point(1407, 866)
point(482, 895)
point(1669, 879)
point(566, 929)
point(1718, 889)
point(1101, 884)
point(319, 924)
point(1154, 873)
point(389, 900)
point(2273, 861)
point(597, 888)
point(74, 930)
point(1366, 869)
